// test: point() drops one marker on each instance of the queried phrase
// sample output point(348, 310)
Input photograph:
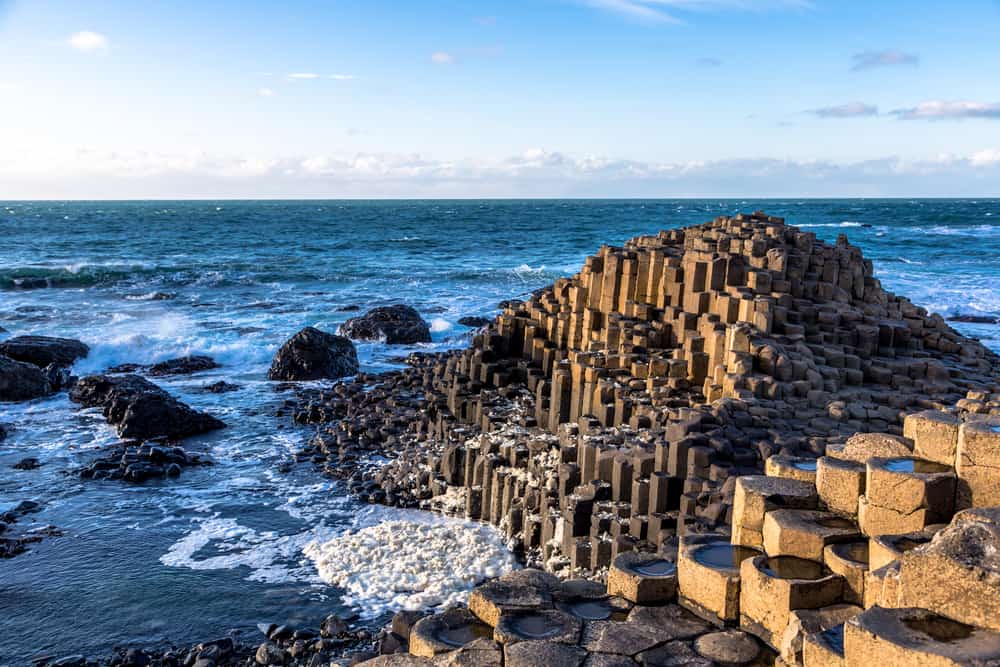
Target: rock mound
point(44, 350)
point(20, 381)
point(141, 410)
point(182, 366)
point(312, 354)
point(397, 325)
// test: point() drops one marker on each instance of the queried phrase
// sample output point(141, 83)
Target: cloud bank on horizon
point(637, 98)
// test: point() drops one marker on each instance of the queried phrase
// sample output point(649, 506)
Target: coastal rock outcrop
point(399, 324)
point(614, 410)
point(21, 381)
point(141, 410)
point(312, 354)
point(182, 366)
point(43, 351)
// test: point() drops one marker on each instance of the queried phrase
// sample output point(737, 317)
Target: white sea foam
point(439, 324)
point(411, 564)
point(845, 223)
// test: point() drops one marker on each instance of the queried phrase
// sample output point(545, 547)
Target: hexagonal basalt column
point(883, 549)
point(708, 576)
point(643, 578)
point(978, 464)
point(903, 495)
point(791, 467)
point(934, 435)
point(445, 632)
point(850, 561)
point(548, 624)
point(519, 590)
point(771, 587)
point(910, 636)
point(756, 495)
point(839, 483)
point(805, 533)
point(825, 648)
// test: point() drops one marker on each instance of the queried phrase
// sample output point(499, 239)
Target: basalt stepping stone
point(904, 495)
point(882, 586)
point(934, 435)
point(978, 464)
point(958, 573)
point(824, 649)
point(643, 578)
point(728, 647)
point(791, 467)
point(671, 620)
point(608, 660)
point(708, 576)
point(756, 495)
point(862, 446)
point(910, 636)
point(446, 632)
point(548, 624)
point(673, 654)
point(851, 561)
point(839, 482)
point(596, 609)
point(533, 653)
point(805, 533)
point(804, 622)
point(480, 652)
point(489, 600)
point(624, 639)
point(883, 549)
point(398, 660)
point(771, 587)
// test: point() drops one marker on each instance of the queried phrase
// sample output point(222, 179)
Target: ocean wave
point(846, 223)
point(439, 324)
point(73, 275)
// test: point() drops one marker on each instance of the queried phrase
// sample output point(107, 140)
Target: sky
point(511, 98)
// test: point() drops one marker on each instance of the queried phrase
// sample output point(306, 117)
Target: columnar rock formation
point(614, 410)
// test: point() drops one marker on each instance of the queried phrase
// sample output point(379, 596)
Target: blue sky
point(515, 98)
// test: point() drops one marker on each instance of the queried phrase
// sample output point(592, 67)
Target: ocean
point(221, 547)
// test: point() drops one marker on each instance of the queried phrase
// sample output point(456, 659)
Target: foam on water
point(410, 565)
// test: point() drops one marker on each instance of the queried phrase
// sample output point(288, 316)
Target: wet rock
point(220, 387)
point(540, 652)
point(474, 321)
point(975, 319)
point(42, 351)
point(333, 626)
point(397, 324)
point(29, 463)
point(21, 381)
point(140, 409)
point(182, 366)
point(270, 654)
point(312, 354)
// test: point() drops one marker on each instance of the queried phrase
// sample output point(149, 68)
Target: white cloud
point(849, 110)
point(871, 59)
point(986, 158)
point(943, 110)
point(302, 76)
point(342, 77)
point(62, 173)
point(663, 11)
point(265, 92)
point(442, 58)
point(87, 40)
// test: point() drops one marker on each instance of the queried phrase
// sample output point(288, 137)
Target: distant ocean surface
point(221, 547)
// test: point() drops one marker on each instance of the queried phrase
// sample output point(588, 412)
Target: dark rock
point(44, 350)
point(182, 366)
point(69, 661)
point(333, 626)
point(29, 463)
point(312, 354)
point(21, 381)
point(975, 319)
point(27, 507)
point(403, 622)
point(397, 324)
point(220, 387)
point(541, 652)
point(270, 654)
point(140, 409)
point(474, 321)
point(59, 377)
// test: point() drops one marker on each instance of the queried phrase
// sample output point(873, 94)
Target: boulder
point(182, 366)
point(44, 350)
point(397, 324)
point(140, 409)
point(21, 381)
point(312, 354)
point(474, 321)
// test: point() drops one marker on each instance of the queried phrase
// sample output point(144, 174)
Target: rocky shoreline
point(604, 426)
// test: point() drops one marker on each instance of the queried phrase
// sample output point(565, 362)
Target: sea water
point(241, 542)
